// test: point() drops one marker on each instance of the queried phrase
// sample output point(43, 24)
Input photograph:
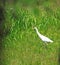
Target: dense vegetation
point(21, 45)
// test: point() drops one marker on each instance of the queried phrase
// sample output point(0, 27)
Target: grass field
point(21, 45)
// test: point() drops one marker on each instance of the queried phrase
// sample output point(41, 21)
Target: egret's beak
point(32, 27)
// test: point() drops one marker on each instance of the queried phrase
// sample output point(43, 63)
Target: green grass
point(22, 46)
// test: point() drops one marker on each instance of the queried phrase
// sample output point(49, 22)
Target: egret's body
point(43, 38)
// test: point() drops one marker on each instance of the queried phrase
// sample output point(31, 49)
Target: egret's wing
point(44, 38)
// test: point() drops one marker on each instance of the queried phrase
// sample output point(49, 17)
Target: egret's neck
point(38, 32)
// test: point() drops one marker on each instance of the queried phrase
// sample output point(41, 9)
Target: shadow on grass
point(3, 34)
point(2, 18)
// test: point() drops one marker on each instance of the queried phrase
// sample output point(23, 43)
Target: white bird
point(43, 38)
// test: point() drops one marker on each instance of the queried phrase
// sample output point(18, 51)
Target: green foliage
point(22, 46)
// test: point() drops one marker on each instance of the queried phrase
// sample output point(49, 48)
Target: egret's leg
point(45, 44)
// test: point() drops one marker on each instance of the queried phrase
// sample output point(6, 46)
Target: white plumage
point(43, 38)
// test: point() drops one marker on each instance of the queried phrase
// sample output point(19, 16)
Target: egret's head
point(36, 28)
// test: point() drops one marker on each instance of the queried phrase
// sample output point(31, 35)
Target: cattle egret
point(43, 38)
